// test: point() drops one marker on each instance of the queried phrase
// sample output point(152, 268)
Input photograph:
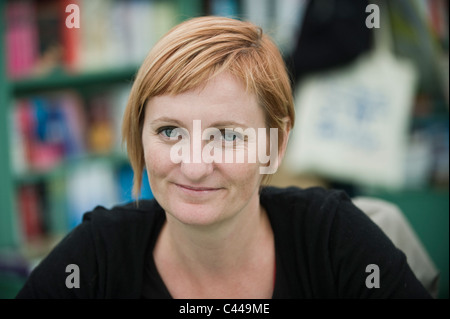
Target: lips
point(197, 188)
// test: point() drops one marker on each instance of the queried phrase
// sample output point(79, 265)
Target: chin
point(196, 214)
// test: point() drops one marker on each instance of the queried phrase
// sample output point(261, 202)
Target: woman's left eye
point(229, 136)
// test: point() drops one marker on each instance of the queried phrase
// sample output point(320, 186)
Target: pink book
point(21, 38)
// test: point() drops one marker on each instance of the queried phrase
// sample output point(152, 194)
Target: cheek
point(158, 167)
point(245, 175)
point(157, 159)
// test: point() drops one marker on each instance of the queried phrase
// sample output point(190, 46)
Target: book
point(41, 37)
point(21, 38)
point(49, 134)
point(70, 36)
point(21, 137)
point(46, 130)
point(28, 202)
point(74, 123)
point(49, 19)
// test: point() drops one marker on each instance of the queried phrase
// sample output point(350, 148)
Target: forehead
point(224, 97)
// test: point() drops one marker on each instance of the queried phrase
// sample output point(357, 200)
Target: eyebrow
point(166, 119)
point(221, 124)
point(226, 124)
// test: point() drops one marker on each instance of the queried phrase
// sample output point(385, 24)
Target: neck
point(218, 249)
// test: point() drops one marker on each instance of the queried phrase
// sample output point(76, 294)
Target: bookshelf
point(87, 82)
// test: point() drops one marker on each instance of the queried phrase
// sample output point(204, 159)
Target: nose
point(193, 167)
point(196, 171)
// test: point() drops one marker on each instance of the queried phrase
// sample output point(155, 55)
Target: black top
point(323, 245)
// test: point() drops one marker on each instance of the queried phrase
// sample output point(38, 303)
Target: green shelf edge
point(61, 79)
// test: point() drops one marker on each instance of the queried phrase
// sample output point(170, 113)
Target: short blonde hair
point(192, 53)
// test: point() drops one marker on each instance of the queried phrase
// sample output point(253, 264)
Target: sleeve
point(364, 260)
point(53, 279)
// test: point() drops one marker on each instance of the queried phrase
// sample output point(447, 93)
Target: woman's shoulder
point(142, 210)
point(108, 247)
point(309, 212)
point(296, 199)
point(134, 219)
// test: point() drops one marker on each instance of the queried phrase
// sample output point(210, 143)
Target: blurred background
point(371, 92)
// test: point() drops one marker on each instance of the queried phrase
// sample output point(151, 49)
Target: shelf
point(61, 79)
point(31, 177)
point(85, 84)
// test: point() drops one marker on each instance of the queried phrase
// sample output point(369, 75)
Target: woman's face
point(189, 187)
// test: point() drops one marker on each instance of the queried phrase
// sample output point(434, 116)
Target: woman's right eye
point(168, 132)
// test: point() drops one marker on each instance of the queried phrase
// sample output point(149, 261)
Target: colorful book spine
point(42, 36)
point(30, 214)
point(21, 38)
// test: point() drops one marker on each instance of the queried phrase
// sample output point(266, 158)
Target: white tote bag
point(352, 122)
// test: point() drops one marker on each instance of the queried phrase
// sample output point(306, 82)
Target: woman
point(213, 230)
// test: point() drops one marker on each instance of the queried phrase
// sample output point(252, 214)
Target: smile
point(196, 190)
